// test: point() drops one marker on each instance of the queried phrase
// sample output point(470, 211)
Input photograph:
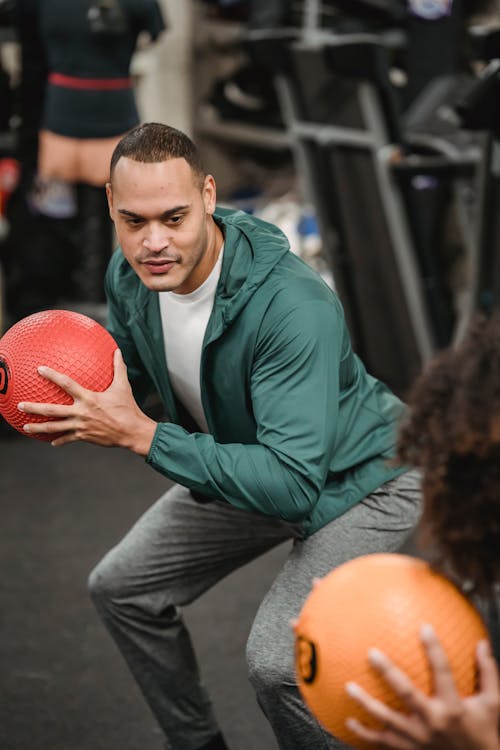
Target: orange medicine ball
point(379, 601)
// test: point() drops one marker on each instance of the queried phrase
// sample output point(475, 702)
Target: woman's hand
point(443, 721)
point(109, 418)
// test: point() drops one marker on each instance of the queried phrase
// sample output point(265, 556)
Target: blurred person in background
point(77, 100)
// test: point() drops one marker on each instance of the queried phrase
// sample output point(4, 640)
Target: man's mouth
point(159, 265)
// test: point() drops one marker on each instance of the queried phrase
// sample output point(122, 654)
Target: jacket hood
point(252, 248)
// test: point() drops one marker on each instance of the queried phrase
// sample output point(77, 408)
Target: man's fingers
point(57, 411)
point(120, 369)
point(67, 384)
point(68, 437)
point(48, 428)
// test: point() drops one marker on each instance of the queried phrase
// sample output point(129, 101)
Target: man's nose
point(156, 238)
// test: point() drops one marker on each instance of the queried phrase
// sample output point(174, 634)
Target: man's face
point(163, 223)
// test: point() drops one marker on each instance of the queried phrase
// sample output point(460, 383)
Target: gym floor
point(63, 685)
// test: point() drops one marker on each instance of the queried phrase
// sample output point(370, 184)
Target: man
point(275, 432)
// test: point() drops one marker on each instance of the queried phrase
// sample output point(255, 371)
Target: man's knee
point(118, 593)
point(270, 663)
point(116, 577)
point(104, 584)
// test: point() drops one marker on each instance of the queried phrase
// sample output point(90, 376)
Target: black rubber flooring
point(63, 685)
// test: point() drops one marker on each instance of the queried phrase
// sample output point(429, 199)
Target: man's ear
point(209, 194)
point(109, 196)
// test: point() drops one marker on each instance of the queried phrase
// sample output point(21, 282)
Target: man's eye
point(133, 222)
point(175, 219)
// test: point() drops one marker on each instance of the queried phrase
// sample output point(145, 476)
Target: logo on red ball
point(4, 377)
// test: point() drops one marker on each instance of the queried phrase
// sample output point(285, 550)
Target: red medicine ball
point(66, 341)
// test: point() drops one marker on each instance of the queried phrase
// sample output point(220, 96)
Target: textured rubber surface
point(66, 341)
point(379, 600)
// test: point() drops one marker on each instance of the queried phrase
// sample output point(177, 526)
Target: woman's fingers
point(489, 679)
point(443, 681)
point(397, 680)
point(383, 738)
point(376, 708)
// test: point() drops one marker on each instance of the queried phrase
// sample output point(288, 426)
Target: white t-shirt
point(184, 320)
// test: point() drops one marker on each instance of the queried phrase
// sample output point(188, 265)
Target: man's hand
point(110, 417)
point(443, 720)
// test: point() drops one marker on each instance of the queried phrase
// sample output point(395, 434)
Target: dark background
point(63, 685)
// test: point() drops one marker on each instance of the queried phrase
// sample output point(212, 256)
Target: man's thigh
point(182, 546)
point(380, 523)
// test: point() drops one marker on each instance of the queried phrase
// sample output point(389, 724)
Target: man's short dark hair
point(154, 142)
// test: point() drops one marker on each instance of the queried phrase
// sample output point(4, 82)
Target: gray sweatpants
point(179, 548)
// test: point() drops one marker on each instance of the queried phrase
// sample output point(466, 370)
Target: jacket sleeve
point(295, 400)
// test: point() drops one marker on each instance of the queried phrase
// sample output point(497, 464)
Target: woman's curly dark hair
point(452, 433)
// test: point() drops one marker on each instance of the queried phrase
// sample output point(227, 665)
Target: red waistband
point(96, 84)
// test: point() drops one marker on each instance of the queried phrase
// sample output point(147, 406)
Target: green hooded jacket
point(298, 429)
